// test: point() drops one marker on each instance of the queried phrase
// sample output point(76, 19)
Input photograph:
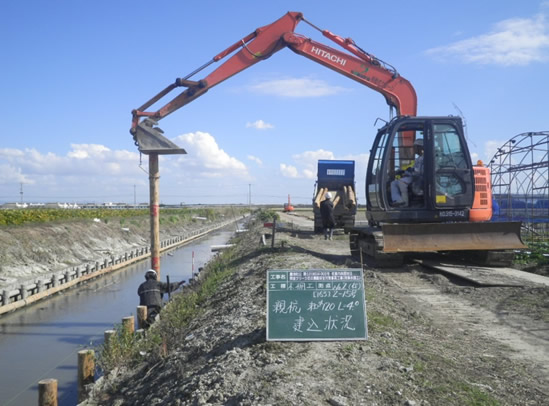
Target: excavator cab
point(420, 170)
point(437, 185)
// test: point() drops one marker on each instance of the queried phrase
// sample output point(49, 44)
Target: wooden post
point(108, 335)
point(47, 392)
point(141, 316)
point(86, 372)
point(274, 231)
point(154, 212)
point(128, 324)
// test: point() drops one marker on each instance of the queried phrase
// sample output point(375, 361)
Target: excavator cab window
point(451, 166)
point(405, 177)
point(376, 171)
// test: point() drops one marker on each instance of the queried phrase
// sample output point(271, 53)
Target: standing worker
point(151, 293)
point(327, 214)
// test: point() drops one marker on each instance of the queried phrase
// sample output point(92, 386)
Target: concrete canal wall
point(14, 297)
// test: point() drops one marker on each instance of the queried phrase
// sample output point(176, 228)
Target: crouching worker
point(151, 293)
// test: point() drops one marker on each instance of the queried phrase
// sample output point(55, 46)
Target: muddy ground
point(432, 340)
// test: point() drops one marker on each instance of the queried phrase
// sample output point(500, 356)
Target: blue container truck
point(338, 178)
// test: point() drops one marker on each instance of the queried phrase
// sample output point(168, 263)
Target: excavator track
point(366, 245)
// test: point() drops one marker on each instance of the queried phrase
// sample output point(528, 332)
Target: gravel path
point(432, 341)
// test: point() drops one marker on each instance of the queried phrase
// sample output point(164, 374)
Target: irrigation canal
point(42, 340)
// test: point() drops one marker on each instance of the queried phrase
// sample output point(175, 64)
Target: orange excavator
point(445, 204)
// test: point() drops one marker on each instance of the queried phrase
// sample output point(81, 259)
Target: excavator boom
point(266, 41)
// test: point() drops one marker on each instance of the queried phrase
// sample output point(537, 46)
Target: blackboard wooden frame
point(316, 305)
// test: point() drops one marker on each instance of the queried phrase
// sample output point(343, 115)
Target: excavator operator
point(414, 174)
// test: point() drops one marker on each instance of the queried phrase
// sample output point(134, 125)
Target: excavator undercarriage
point(487, 243)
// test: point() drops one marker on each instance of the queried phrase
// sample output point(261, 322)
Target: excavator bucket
point(428, 237)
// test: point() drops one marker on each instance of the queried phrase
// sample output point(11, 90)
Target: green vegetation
point(266, 215)
point(17, 217)
point(380, 322)
point(536, 254)
point(123, 346)
point(467, 394)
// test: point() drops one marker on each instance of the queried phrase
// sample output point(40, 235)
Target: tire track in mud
point(432, 296)
point(450, 306)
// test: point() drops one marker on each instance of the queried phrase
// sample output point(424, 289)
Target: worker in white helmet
point(151, 293)
point(327, 214)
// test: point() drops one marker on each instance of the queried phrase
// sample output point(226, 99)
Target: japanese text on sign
point(316, 305)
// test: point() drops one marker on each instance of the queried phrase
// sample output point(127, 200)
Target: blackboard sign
point(316, 304)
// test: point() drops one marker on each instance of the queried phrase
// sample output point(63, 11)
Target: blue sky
point(72, 71)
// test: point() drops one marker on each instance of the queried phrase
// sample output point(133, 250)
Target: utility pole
point(134, 199)
point(250, 195)
point(21, 192)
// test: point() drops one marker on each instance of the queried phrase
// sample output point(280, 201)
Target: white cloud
point(10, 153)
point(297, 88)
point(259, 125)
point(491, 147)
point(474, 157)
point(204, 152)
point(12, 174)
point(289, 171)
point(255, 159)
point(86, 171)
point(308, 160)
point(82, 159)
point(517, 41)
point(83, 151)
point(306, 163)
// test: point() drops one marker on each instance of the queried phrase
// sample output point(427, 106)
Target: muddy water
point(42, 340)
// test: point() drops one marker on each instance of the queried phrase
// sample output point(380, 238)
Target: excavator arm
point(366, 69)
point(264, 42)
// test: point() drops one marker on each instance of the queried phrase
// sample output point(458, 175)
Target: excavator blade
point(427, 237)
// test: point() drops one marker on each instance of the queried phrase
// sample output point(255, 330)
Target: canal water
point(42, 340)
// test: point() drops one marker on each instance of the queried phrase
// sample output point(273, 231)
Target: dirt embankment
point(432, 341)
point(29, 251)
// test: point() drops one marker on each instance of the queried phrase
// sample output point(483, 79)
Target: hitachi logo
point(329, 56)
